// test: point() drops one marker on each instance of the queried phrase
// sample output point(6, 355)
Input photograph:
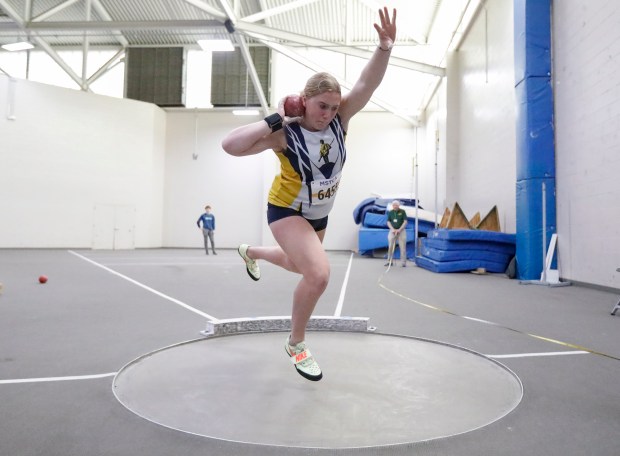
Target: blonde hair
point(321, 83)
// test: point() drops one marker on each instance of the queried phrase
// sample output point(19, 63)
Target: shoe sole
point(251, 276)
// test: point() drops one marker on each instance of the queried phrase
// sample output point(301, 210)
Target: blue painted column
point(535, 135)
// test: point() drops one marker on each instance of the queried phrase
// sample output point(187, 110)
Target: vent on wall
point(155, 75)
point(231, 84)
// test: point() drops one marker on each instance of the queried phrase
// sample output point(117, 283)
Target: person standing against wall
point(397, 222)
point(208, 227)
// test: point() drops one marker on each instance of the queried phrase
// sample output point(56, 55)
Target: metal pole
point(417, 196)
point(544, 231)
point(436, 183)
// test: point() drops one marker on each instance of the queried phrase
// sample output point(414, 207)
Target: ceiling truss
point(279, 24)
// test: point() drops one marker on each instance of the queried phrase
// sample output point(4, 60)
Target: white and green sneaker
point(303, 360)
point(250, 264)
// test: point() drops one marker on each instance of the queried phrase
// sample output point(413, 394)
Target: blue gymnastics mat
point(459, 266)
point(465, 254)
point(473, 235)
point(446, 250)
point(496, 247)
point(369, 239)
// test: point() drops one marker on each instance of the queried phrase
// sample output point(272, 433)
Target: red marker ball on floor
point(42, 279)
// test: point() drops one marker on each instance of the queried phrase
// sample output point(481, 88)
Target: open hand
point(387, 29)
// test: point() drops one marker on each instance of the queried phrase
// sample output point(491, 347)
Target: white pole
point(436, 183)
point(417, 197)
point(544, 231)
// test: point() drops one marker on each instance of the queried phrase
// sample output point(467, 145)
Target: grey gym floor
point(62, 343)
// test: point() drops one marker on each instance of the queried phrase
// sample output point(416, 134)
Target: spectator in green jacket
point(397, 221)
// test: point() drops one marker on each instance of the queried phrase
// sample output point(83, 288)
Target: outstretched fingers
point(387, 29)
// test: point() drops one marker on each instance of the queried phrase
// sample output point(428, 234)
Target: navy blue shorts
point(275, 213)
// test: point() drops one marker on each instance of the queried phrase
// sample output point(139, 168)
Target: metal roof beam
point(231, 19)
point(28, 10)
point(207, 9)
point(85, 46)
point(10, 26)
point(348, 85)
point(41, 43)
point(107, 66)
point(11, 13)
point(228, 11)
point(51, 26)
point(50, 12)
point(263, 33)
point(105, 15)
point(59, 61)
point(249, 63)
point(277, 10)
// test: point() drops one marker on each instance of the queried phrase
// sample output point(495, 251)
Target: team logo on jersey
point(327, 167)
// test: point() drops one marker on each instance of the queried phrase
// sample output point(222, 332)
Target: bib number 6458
point(327, 193)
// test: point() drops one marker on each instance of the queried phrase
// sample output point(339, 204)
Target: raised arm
point(373, 72)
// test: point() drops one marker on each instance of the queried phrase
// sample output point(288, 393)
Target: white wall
point(70, 158)
point(586, 67)
point(199, 172)
point(64, 153)
point(481, 163)
point(434, 145)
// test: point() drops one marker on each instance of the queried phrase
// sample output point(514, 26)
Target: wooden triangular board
point(490, 222)
point(445, 218)
point(458, 219)
point(475, 219)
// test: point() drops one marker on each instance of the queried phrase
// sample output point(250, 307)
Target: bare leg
point(274, 255)
point(300, 250)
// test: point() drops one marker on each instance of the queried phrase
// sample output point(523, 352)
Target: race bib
point(324, 190)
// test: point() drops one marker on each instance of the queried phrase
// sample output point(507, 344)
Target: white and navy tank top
point(310, 169)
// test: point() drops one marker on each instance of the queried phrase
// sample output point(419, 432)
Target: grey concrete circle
point(377, 390)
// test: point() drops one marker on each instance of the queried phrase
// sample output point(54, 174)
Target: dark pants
point(208, 235)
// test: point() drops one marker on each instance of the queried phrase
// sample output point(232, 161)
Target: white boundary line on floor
point(343, 290)
point(56, 379)
point(141, 285)
point(531, 355)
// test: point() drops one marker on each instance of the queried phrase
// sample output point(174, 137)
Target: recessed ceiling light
point(21, 46)
point(246, 112)
point(216, 45)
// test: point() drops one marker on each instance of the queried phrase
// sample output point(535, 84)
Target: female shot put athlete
point(311, 150)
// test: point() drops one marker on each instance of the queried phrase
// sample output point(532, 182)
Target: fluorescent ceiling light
point(216, 45)
point(21, 46)
point(246, 112)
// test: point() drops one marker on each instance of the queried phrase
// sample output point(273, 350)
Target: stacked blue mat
point(371, 214)
point(450, 250)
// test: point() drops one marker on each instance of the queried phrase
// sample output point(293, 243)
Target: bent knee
point(318, 279)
